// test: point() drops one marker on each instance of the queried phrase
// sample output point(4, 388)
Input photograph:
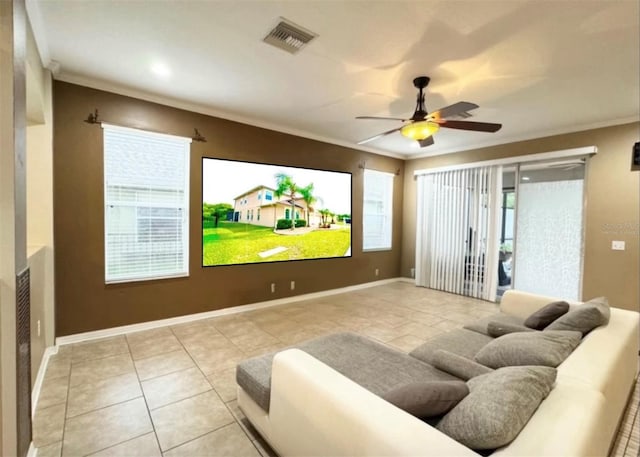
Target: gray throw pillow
point(548, 348)
point(457, 365)
point(497, 329)
point(481, 325)
point(546, 315)
point(499, 406)
point(427, 399)
point(584, 318)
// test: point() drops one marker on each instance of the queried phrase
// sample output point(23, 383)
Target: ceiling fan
point(422, 125)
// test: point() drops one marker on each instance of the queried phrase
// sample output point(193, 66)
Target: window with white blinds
point(377, 208)
point(146, 197)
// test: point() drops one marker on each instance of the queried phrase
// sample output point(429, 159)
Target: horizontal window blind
point(377, 217)
point(146, 196)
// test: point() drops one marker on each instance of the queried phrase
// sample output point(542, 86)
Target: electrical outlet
point(273, 287)
point(293, 285)
point(38, 327)
point(377, 272)
point(413, 272)
point(617, 245)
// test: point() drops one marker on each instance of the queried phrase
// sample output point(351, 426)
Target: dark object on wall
point(23, 360)
point(635, 157)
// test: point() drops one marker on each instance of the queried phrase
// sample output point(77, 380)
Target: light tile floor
point(171, 391)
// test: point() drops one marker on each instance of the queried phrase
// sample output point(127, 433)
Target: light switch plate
point(617, 245)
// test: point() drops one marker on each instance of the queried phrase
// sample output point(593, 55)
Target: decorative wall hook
point(93, 118)
point(198, 137)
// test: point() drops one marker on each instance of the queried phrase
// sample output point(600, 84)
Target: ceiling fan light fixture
point(419, 130)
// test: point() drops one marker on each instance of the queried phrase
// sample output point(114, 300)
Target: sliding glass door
point(483, 230)
point(549, 229)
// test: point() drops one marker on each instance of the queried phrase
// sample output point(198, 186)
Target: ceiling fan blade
point(469, 125)
point(380, 135)
point(452, 110)
point(428, 141)
point(382, 118)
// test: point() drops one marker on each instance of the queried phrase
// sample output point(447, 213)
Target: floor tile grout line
point(159, 354)
point(105, 407)
point(99, 357)
point(633, 422)
point(99, 380)
point(166, 374)
point(118, 444)
point(200, 393)
point(620, 439)
point(38, 409)
point(200, 436)
point(193, 360)
point(182, 399)
point(66, 406)
point(64, 417)
point(235, 419)
point(153, 425)
point(80, 362)
point(238, 421)
point(57, 377)
point(94, 359)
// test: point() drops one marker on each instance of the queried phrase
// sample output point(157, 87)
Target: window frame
point(185, 271)
point(387, 213)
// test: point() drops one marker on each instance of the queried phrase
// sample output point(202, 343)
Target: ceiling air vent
point(289, 36)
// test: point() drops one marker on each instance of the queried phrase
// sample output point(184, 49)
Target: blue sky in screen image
point(223, 180)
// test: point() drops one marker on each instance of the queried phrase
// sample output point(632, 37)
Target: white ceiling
point(538, 67)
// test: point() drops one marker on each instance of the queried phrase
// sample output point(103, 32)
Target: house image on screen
point(260, 206)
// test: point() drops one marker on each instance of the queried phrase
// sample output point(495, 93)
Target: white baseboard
point(33, 451)
point(37, 386)
point(115, 331)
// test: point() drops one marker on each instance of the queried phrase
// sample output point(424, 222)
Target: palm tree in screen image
point(309, 198)
point(326, 216)
point(286, 186)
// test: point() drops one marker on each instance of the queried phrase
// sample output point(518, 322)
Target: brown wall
point(85, 303)
point(612, 211)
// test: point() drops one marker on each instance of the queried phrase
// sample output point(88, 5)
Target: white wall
point(10, 41)
point(39, 203)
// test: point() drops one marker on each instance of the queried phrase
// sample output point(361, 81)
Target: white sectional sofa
point(316, 411)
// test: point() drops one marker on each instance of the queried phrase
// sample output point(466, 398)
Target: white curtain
point(457, 233)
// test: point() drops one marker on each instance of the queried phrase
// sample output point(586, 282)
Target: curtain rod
point(363, 166)
point(92, 118)
point(560, 154)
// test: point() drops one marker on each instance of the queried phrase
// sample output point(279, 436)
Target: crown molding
point(201, 109)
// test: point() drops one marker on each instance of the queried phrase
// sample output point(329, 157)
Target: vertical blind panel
point(377, 220)
point(549, 238)
point(458, 218)
point(146, 204)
